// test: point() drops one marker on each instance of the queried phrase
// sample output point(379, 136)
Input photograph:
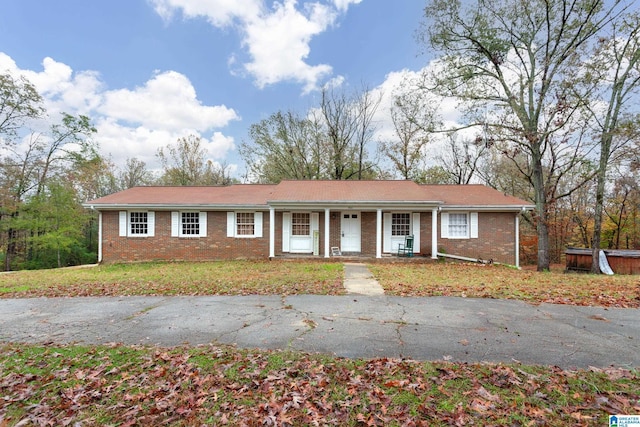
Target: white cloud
point(279, 45)
point(277, 39)
point(220, 13)
point(131, 122)
point(343, 5)
point(167, 101)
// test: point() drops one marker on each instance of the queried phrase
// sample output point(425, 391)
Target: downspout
point(518, 240)
point(272, 233)
point(99, 234)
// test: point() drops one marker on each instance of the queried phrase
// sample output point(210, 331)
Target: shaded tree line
point(46, 172)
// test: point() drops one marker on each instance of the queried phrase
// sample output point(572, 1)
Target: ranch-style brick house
point(312, 218)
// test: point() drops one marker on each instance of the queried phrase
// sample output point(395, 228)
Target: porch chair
point(406, 248)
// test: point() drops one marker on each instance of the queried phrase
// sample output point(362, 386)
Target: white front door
point(350, 232)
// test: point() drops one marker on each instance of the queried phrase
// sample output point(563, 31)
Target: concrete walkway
point(359, 280)
point(358, 326)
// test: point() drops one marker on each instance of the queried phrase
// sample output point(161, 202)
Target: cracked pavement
point(355, 326)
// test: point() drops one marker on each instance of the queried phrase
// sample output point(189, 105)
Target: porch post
point(99, 236)
point(518, 240)
point(326, 233)
point(272, 232)
point(434, 233)
point(379, 233)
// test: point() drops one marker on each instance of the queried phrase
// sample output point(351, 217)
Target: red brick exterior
point(496, 239)
point(164, 247)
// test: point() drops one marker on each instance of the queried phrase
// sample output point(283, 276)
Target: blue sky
point(150, 71)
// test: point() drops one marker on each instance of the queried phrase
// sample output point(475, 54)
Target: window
point(190, 223)
point(245, 224)
point(300, 224)
point(138, 223)
point(400, 224)
point(458, 225)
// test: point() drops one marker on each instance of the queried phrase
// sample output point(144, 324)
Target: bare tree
point(348, 123)
point(135, 173)
point(515, 58)
point(285, 146)
point(186, 163)
point(614, 72)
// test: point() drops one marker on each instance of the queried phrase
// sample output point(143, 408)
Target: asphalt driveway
point(435, 328)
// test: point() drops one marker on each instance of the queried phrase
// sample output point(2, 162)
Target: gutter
point(130, 206)
point(489, 208)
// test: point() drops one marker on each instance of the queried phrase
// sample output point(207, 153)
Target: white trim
point(387, 219)
point(444, 225)
point(517, 241)
point(231, 224)
point(379, 233)
point(151, 224)
point(415, 229)
point(122, 223)
point(257, 224)
point(434, 233)
point(272, 232)
point(473, 225)
point(175, 224)
point(99, 236)
point(286, 231)
point(202, 228)
point(327, 212)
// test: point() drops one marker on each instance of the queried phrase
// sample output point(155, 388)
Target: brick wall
point(496, 239)
point(164, 247)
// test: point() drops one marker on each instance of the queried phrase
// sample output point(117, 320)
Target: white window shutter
point(257, 223)
point(416, 232)
point(151, 224)
point(286, 231)
point(123, 224)
point(231, 224)
point(315, 222)
point(175, 224)
point(386, 225)
point(444, 225)
point(473, 219)
point(203, 224)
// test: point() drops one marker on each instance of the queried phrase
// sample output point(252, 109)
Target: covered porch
point(356, 230)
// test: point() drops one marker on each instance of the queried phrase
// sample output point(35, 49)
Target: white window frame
point(308, 224)
point(232, 225)
point(472, 225)
point(394, 215)
point(125, 224)
point(455, 230)
point(177, 225)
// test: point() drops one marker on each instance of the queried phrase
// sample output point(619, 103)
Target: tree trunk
point(541, 213)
